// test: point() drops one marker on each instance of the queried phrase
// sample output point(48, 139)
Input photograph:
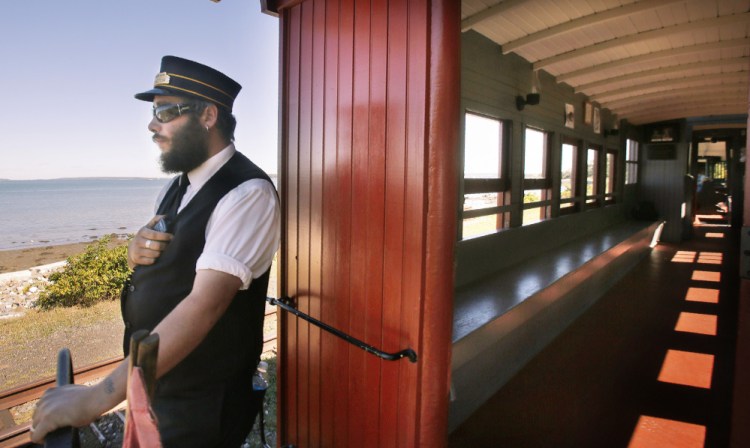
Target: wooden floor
point(651, 364)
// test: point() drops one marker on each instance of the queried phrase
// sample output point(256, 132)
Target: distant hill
point(89, 178)
point(273, 177)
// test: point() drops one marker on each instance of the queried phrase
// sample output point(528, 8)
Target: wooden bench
point(502, 320)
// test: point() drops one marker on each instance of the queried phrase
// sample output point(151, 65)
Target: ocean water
point(45, 212)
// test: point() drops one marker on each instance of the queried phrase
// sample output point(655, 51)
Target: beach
point(22, 259)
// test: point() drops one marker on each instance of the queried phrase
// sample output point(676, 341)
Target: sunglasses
point(168, 112)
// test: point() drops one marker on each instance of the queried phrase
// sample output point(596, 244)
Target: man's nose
point(154, 126)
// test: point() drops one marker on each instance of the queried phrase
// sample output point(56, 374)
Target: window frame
point(576, 200)
point(532, 184)
point(632, 161)
point(500, 185)
point(610, 175)
point(596, 197)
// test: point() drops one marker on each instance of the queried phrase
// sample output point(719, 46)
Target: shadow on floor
point(650, 364)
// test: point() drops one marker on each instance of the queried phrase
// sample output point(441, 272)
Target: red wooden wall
point(369, 126)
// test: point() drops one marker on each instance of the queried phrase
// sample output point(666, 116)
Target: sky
point(69, 70)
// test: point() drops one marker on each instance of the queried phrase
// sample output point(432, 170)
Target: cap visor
point(149, 95)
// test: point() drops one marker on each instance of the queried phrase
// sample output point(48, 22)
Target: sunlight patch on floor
point(683, 256)
point(705, 295)
point(697, 323)
point(706, 276)
point(687, 369)
point(710, 258)
point(654, 432)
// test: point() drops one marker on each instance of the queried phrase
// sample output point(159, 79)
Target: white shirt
point(242, 234)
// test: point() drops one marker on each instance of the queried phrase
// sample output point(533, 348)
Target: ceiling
point(646, 61)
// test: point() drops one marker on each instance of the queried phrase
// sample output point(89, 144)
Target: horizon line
point(166, 177)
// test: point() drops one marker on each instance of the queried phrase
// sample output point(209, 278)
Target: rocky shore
point(24, 273)
point(19, 291)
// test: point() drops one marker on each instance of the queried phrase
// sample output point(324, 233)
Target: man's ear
point(210, 115)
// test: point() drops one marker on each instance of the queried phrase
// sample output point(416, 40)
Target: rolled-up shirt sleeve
point(243, 232)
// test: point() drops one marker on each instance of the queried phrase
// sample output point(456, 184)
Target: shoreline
point(21, 259)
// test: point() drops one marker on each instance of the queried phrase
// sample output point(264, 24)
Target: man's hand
point(76, 405)
point(60, 407)
point(147, 244)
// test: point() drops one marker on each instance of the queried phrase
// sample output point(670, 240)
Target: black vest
point(234, 344)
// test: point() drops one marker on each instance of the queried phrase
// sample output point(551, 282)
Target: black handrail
point(285, 304)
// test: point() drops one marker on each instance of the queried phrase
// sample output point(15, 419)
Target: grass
point(29, 344)
point(36, 324)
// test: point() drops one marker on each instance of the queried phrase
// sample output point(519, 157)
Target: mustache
point(157, 137)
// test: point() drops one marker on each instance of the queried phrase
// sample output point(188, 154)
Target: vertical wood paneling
point(316, 217)
point(395, 190)
point(344, 218)
point(414, 233)
point(376, 213)
point(288, 367)
point(333, 202)
point(304, 231)
point(354, 154)
point(358, 400)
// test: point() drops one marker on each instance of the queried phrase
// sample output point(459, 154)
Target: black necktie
point(167, 223)
point(175, 207)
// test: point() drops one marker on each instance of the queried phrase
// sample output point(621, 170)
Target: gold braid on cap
point(164, 78)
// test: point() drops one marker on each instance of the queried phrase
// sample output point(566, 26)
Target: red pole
point(741, 406)
point(441, 234)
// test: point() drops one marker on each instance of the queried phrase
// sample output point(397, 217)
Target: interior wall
point(490, 82)
point(665, 184)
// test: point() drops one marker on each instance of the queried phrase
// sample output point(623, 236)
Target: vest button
point(131, 288)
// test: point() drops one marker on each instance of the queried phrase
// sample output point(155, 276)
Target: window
point(712, 160)
point(631, 162)
point(592, 176)
point(486, 201)
point(536, 181)
point(569, 194)
point(610, 176)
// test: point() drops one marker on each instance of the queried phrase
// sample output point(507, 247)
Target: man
point(200, 272)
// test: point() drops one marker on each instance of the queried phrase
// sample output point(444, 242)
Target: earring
point(206, 128)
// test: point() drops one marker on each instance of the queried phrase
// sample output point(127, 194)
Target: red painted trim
point(414, 236)
point(277, 6)
point(444, 103)
point(746, 213)
point(288, 422)
point(741, 402)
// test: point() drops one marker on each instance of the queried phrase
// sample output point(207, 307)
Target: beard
point(189, 148)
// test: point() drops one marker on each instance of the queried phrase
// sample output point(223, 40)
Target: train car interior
point(598, 137)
